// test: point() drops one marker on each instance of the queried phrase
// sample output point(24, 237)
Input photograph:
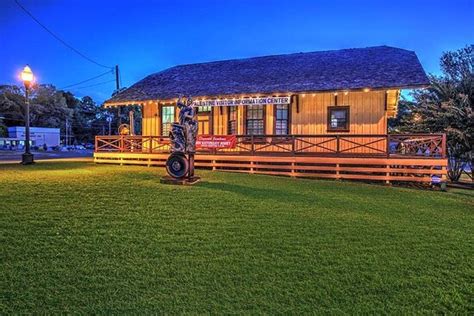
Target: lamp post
point(27, 77)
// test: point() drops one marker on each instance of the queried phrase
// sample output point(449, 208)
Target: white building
point(38, 136)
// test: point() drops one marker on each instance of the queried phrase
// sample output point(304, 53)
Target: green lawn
point(95, 238)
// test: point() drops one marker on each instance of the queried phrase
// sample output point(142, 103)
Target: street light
point(27, 77)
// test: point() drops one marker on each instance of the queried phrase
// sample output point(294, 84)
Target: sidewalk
point(7, 157)
point(72, 159)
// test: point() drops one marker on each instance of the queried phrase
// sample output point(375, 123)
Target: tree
point(49, 108)
point(85, 119)
point(403, 121)
point(12, 105)
point(3, 128)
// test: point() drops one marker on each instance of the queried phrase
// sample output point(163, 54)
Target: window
point(167, 118)
point(282, 126)
point(338, 118)
point(232, 121)
point(255, 120)
point(204, 109)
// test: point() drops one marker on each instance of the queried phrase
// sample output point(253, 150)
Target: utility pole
point(132, 122)
point(117, 87)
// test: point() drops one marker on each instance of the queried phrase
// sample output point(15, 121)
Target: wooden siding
point(368, 114)
point(220, 117)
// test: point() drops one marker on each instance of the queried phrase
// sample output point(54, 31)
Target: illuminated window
point(255, 120)
point(204, 109)
point(232, 121)
point(167, 118)
point(338, 118)
point(282, 126)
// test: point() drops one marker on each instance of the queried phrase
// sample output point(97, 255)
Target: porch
point(389, 157)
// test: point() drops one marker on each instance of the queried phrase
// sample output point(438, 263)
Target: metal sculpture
point(183, 134)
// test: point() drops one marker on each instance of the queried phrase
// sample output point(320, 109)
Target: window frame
point(348, 121)
point(234, 120)
point(263, 119)
point(288, 120)
point(161, 119)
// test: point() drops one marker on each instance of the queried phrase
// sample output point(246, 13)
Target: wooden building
point(319, 114)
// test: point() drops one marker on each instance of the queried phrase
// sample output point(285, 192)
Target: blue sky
point(147, 36)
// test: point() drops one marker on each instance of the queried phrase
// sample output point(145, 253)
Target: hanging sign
point(216, 141)
point(244, 101)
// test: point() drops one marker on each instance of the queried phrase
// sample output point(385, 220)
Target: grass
point(79, 237)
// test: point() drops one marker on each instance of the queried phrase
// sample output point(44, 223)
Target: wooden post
point(121, 145)
point(337, 144)
point(443, 178)
point(117, 87)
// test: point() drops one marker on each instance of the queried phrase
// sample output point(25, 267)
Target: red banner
point(216, 141)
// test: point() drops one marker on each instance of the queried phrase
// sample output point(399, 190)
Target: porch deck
point(392, 157)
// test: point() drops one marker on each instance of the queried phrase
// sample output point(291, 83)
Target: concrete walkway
point(7, 156)
point(73, 159)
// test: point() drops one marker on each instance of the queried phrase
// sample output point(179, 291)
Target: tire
point(177, 165)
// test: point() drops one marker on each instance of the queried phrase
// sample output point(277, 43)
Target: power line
point(87, 80)
point(58, 38)
point(96, 84)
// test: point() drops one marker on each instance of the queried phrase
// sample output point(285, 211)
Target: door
point(204, 120)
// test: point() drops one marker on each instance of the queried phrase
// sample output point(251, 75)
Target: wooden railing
point(412, 145)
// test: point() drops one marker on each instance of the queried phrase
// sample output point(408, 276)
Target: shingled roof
point(378, 67)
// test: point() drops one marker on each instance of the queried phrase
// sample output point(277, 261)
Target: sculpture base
point(182, 181)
